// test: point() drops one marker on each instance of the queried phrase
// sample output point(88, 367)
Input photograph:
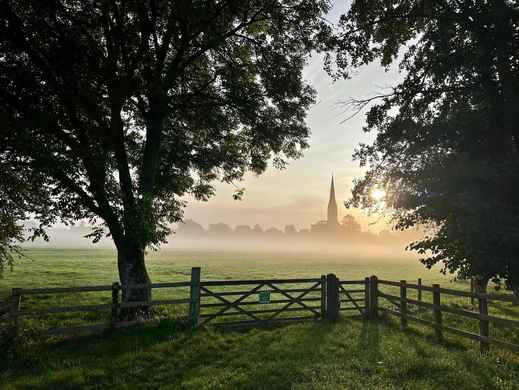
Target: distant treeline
point(348, 230)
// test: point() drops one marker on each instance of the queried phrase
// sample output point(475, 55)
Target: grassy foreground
point(350, 354)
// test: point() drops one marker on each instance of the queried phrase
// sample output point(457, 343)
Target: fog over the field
point(347, 241)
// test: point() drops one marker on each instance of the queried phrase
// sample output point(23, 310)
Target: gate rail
point(255, 305)
point(352, 297)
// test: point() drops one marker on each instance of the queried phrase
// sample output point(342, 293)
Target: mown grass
point(351, 354)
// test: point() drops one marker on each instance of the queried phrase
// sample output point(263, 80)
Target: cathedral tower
point(332, 207)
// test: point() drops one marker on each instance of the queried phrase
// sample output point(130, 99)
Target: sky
point(298, 195)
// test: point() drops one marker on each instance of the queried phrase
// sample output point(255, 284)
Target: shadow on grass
point(172, 354)
point(348, 354)
point(443, 362)
point(109, 345)
point(369, 341)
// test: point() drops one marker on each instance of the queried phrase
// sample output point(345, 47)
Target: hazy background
point(299, 194)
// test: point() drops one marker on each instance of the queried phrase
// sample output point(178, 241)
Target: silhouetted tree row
point(347, 231)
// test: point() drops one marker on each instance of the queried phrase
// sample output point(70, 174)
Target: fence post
point(116, 287)
point(332, 297)
point(366, 298)
point(403, 304)
point(373, 297)
point(472, 291)
point(323, 296)
point(194, 296)
point(16, 298)
point(437, 312)
point(484, 330)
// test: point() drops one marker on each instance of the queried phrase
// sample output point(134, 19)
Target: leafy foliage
point(20, 195)
point(122, 108)
point(10, 232)
point(446, 150)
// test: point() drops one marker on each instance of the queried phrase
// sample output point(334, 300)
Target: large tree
point(122, 107)
point(447, 137)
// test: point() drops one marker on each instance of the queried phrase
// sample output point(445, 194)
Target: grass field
point(350, 354)
point(77, 267)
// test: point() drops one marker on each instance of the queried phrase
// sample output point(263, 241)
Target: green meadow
point(78, 267)
point(349, 354)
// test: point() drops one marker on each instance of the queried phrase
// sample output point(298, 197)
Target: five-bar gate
point(242, 302)
point(253, 302)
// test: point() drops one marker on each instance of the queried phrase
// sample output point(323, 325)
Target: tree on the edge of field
point(123, 107)
point(19, 187)
point(10, 236)
point(447, 137)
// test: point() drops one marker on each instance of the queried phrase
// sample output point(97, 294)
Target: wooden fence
point(249, 302)
point(402, 311)
point(17, 313)
point(266, 301)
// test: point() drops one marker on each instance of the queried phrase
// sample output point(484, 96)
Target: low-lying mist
point(359, 246)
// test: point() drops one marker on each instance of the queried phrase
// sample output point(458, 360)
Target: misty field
point(77, 267)
point(349, 354)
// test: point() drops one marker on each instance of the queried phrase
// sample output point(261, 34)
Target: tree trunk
point(132, 271)
point(480, 284)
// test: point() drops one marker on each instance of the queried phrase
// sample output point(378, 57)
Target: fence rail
point(438, 309)
point(15, 311)
point(248, 302)
point(459, 293)
point(294, 299)
point(263, 310)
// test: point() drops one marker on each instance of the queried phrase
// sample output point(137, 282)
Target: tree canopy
point(19, 188)
point(118, 109)
point(447, 136)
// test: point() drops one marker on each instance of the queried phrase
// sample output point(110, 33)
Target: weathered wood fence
point(222, 303)
point(17, 313)
point(268, 301)
point(437, 309)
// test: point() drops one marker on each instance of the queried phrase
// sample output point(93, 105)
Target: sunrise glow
point(378, 195)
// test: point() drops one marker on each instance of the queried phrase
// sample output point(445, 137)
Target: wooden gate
point(243, 302)
point(354, 296)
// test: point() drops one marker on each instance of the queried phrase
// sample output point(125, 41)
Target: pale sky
point(298, 195)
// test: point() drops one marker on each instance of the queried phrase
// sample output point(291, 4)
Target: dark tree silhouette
point(219, 229)
point(121, 107)
point(350, 225)
point(21, 195)
point(11, 234)
point(447, 145)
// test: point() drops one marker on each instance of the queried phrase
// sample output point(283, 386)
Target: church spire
point(332, 206)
